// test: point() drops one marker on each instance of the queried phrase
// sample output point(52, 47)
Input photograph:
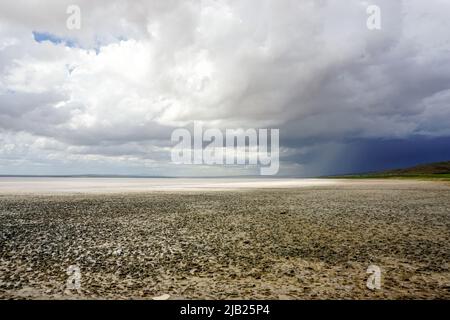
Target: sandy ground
point(311, 241)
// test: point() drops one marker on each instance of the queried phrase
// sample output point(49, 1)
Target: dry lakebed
point(274, 239)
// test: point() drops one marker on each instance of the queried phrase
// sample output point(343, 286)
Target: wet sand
point(287, 241)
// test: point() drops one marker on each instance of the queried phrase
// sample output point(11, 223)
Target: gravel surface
point(297, 243)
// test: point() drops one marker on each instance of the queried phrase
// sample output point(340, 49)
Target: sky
point(105, 98)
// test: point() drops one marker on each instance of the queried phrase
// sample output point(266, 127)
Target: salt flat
point(63, 185)
point(48, 185)
point(312, 240)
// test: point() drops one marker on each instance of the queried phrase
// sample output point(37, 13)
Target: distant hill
point(429, 168)
point(435, 171)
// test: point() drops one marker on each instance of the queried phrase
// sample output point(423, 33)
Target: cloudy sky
point(105, 98)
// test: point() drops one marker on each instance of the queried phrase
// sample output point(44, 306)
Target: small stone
point(162, 297)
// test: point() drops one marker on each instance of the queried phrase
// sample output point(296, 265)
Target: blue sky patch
point(46, 36)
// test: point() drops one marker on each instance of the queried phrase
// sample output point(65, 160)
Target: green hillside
point(429, 171)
